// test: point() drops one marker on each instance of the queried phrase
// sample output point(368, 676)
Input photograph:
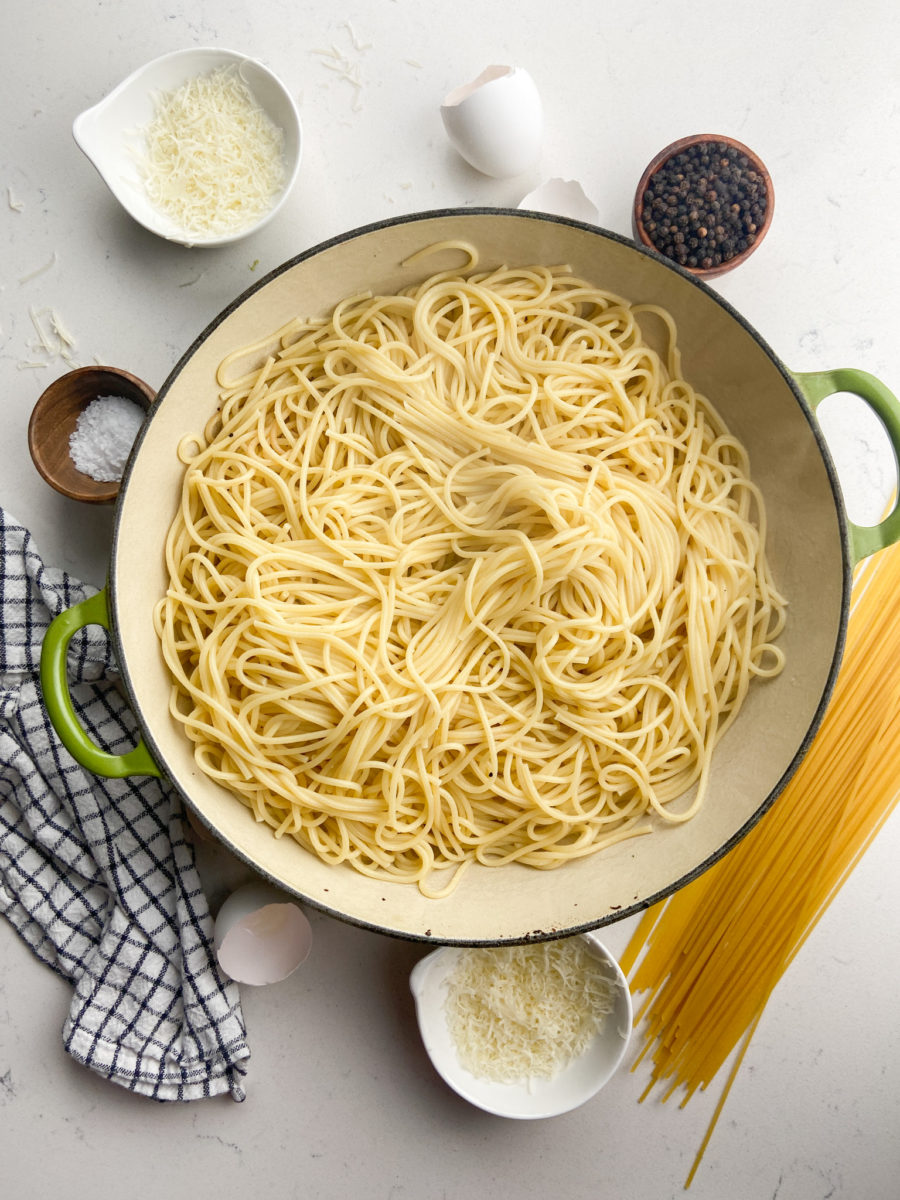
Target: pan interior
point(724, 359)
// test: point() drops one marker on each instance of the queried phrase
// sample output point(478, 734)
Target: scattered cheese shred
point(61, 331)
point(40, 270)
point(525, 1012)
point(44, 340)
point(54, 343)
point(214, 160)
point(357, 44)
point(348, 70)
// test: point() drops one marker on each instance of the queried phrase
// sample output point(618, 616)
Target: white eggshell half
point(563, 198)
point(261, 935)
point(496, 121)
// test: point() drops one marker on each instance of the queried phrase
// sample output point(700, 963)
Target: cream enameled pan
point(812, 549)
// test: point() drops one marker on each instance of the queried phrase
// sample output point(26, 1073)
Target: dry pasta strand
point(710, 957)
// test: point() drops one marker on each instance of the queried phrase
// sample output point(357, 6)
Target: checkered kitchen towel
point(96, 874)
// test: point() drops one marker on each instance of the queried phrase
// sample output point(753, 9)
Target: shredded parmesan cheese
point(214, 160)
point(40, 270)
point(54, 343)
point(525, 1012)
point(347, 70)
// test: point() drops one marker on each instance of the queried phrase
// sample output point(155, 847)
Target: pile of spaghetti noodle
point(468, 573)
point(710, 957)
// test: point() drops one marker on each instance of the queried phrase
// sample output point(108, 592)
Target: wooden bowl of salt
point(82, 430)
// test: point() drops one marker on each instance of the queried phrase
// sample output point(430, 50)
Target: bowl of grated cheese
point(200, 146)
point(524, 1031)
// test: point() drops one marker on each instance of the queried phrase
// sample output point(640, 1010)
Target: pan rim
point(831, 473)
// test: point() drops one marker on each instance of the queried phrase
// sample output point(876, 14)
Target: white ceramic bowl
point(109, 133)
point(578, 1082)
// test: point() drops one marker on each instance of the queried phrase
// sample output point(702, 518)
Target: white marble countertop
point(342, 1101)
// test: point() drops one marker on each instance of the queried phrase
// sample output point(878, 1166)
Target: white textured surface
point(342, 1099)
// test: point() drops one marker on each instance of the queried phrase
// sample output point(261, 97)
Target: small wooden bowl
point(640, 233)
point(53, 421)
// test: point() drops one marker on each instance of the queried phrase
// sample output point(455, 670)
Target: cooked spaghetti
point(465, 574)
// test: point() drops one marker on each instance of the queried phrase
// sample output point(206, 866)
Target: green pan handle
point(816, 385)
point(55, 686)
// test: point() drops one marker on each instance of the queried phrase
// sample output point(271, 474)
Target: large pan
point(813, 550)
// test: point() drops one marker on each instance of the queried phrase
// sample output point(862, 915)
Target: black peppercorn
point(712, 201)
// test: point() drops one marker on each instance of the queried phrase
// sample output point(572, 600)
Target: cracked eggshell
point(563, 198)
point(261, 935)
point(496, 121)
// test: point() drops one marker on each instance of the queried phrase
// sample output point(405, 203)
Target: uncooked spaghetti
point(710, 957)
point(465, 574)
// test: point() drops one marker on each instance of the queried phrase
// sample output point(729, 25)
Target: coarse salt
point(103, 436)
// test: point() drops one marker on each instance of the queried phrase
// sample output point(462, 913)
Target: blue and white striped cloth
point(95, 874)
